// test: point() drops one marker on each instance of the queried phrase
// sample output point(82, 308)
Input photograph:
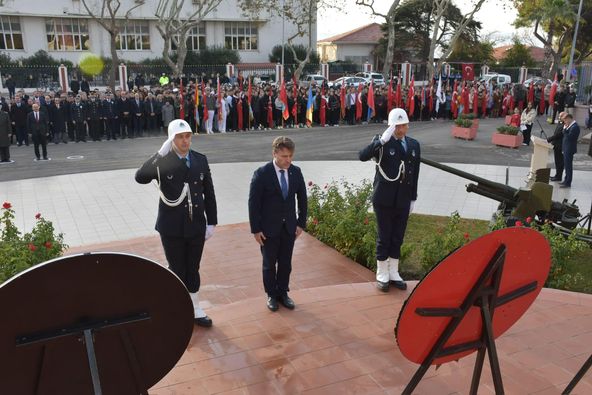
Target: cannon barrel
point(492, 185)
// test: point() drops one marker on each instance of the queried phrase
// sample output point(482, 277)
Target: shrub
point(18, 251)
point(463, 122)
point(440, 244)
point(338, 216)
point(467, 116)
point(510, 130)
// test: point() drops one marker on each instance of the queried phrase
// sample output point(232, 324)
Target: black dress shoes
point(287, 302)
point(555, 178)
point(206, 321)
point(384, 287)
point(402, 285)
point(272, 303)
point(562, 185)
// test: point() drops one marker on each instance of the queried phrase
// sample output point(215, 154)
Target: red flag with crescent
point(468, 72)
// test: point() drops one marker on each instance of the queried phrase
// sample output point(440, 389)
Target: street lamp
point(573, 43)
point(283, 43)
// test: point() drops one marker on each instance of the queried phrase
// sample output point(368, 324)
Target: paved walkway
point(340, 340)
point(107, 206)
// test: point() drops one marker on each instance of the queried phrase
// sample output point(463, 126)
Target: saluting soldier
point(187, 213)
point(397, 159)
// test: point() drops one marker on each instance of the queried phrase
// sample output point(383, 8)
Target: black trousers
point(558, 156)
point(277, 263)
point(4, 154)
point(526, 134)
point(184, 255)
point(37, 141)
point(568, 164)
point(80, 131)
point(391, 223)
point(94, 129)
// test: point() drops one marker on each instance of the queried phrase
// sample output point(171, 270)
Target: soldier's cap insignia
point(400, 117)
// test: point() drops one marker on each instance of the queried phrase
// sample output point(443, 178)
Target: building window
point(196, 38)
point(242, 36)
point(67, 34)
point(10, 33)
point(133, 36)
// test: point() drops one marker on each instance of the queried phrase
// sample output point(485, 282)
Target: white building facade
point(64, 29)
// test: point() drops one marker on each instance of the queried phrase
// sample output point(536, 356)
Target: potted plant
point(463, 128)
point(507, 136)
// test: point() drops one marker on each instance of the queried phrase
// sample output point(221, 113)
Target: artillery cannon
point(532, 201)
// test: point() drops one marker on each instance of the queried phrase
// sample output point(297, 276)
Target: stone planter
point(507, 140)
point(475, 126)
point(464, 133)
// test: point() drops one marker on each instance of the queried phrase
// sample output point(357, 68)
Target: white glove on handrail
point(387, 134)
point(210, 231)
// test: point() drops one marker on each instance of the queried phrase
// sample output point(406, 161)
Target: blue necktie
point(284, 184)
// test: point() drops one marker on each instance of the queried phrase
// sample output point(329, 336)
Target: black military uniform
point(93, 116)
point(78, 116)
point(110, 113)
point(182, 228)
point(557, 141)
point(395, 187)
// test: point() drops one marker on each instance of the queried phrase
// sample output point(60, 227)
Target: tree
point(276, 56)
point(552, 20)
point(517, 55)
point(474, 51)
point(389, 22)
point(301, 14)
point(109, 17)
point(174, 27)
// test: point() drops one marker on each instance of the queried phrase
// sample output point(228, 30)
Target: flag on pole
point(284, 99)
point(475, 102)
point(219, 98)
point(390, 96)
point(295, 97)
point(440, 98)
point(359, 103)
point(322, 111)
point(411, 96)
point(181, 100)
point(269, 111)
point(553, 92)
point(342, 100)
point(371, 105)
point(398, 94)
point(309, 106)
point(240, 110)
point(542, 101)
point(205, 101)
point(196, 110)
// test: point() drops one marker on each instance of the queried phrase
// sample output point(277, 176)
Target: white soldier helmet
point(397, 116)
point(176, 127)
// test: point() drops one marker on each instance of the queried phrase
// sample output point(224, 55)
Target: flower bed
point(507, 136)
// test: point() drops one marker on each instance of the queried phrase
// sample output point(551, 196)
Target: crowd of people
point(221, 104)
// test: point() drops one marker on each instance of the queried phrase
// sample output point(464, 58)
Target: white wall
point(364, 50)
point(33, 15)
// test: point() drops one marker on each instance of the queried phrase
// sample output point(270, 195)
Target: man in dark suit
point(557, 141)
point(78, 117)
point(138, 113)
point(18, 116)
point(5, 134)
point(571, 132)
point(397, 159)
point(187, 213)
point(274, 221)
point(58, 116)
point(38, 126)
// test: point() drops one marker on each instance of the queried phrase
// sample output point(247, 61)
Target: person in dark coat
point(10, 85)
point(571, 133)
point(84, 86)
point(38, 126)
point(187, 213)
point(274, 221)
point(137, 107)
point(557, 141)
point(5, 134)
point(110, 114)
point(74, 85)
point(125, 116)
point(58, 116)
point(78, 117)
point(93, 118)
point(397, 159)
point(18, 116)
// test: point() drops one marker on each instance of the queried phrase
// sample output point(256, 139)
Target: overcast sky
point(494, 19)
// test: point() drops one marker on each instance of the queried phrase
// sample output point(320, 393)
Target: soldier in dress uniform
point(78, 116)
point(187, 213)
point(397, 159)
point(93, 117)
point(110, 113)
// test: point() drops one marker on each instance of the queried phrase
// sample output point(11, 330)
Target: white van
point(499, 79)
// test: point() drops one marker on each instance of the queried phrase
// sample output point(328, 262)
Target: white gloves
point(166, 148)
point(386, 136)
point(210, 231)
point(411, 206)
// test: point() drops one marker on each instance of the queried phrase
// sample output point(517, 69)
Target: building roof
point(537, 53)
point(368, 34)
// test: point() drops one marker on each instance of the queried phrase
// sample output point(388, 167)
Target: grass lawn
point(420, 226)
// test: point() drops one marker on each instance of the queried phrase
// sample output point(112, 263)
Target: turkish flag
point(468, 72)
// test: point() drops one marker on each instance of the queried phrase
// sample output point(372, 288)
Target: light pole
point(283, 44)
point(573, 43)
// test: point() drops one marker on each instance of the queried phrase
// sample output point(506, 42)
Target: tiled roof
point(368, 34)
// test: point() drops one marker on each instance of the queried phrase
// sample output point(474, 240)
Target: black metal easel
point(86, 331)
point(484, 295)
point(578, 377)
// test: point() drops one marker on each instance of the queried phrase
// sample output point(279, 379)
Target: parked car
point(537, 82)
point(315, 79)
point(499, 79)
point(376, 77)
point(348, 81)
